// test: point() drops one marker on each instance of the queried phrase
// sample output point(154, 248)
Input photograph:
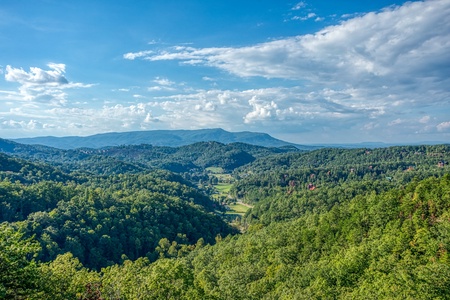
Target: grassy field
point(215, 170)
point(223, 188)
point(219, 173)
point(237, 209)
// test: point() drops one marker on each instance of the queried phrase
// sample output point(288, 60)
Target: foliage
point(103, 220)
point(287, 185)
point(66, 278)
point(138, 158)
point(326, 224)
point(389, 246)
point(18, 269)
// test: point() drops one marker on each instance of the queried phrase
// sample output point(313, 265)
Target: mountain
point(171, 138)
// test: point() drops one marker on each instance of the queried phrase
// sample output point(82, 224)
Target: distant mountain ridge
point(171, 138)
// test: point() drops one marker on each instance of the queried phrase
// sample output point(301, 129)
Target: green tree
point(66, 278)
point(19, 274)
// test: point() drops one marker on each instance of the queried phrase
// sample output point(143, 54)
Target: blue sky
point(306, 72)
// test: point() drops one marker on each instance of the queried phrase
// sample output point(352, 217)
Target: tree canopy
point(325, 224)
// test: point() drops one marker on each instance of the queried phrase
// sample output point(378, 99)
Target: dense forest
point(136, 158)
point(133, 222)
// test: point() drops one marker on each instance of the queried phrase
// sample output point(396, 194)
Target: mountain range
point(170, 138)
point(178, 138)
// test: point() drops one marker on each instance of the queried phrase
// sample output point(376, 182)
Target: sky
point(318, 71)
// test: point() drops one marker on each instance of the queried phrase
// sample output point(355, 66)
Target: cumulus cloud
point(150, 119)
point(403, 44)
point(113, 117)
point(260, 111)
point(258, 106)
point(37, 76)
point(376, 73)
point(208, 106)
point(30, 125)
point(40, 85)
point(278, 110)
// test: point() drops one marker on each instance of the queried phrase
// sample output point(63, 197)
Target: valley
point(224, 221)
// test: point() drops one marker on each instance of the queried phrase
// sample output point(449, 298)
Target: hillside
point(170, 138)
point(325, 224)
point(136, 158)
point(103, 219)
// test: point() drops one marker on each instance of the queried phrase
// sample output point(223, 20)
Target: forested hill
point(103, 220)
point(324, 224)
point(135, 158)
point(283, 186)
point(170, 138)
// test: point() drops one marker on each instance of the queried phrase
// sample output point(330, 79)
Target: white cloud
point(164, 84)
point(30, 125)
point(299, 5)
point(307, 17)
point(36, 76)
point(163, 81)
point(45, 86)
point(274, 110)
point(155, 88)
point(424, 120)
point(117, 117)
point(160, 88)
point(208, 106)
point(133, 56)
point(376, 73)
point(149, 119)
point(261, 110)
point(399, 44)
point(443, 127)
